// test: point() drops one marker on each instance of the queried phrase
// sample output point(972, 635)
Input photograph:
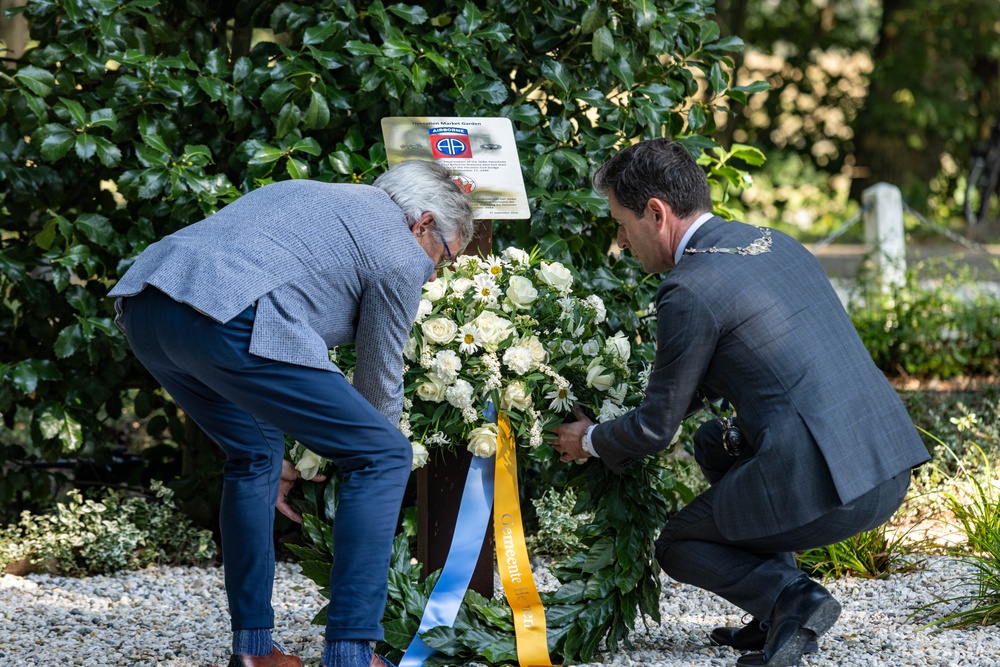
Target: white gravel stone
point(176, 617)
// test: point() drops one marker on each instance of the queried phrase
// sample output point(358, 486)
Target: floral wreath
point(510, 331)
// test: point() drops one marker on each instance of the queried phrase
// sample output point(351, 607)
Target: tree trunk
point(13, 32)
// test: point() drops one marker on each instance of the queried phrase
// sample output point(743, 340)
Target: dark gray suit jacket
point(325, 263)
point(769, 334)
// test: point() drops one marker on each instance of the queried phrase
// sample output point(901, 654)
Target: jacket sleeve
point(686, 337)
point(386, 311)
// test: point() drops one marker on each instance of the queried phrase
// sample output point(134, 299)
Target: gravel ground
point(176, 617)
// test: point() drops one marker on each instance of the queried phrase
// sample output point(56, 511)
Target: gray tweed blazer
point(325, 264)
point(769, 334)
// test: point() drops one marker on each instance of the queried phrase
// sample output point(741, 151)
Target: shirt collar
point(702, 219)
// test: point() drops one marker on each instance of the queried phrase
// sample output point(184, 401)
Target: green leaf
point(273, 98)
point(397, 48)
point(709, 32)
point(340, 161)
point(104, 118)
point(730, 43)
point(86, 147)
point(76, 111)
point(318, 115)
point(622, 70)
point(67, 341)
point(315, 35)
point(95, 227)
point(55, 422)
point(600, 555)
point(752, 156)
point(356, 48)
point(412, 14)
point(717, 77)
point(696, 118)
point(107, 152)
point(544, 170)
point(557, 73)
point(36, 79)
point(603, 44)
point(297, 168)
point(645, 14)
point(595, 16)
point(307, 145)
point(56, 142)
point(266, 155)
point(470, 19)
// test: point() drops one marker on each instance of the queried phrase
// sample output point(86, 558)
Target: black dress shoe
point(750, 637)
point(803, 612)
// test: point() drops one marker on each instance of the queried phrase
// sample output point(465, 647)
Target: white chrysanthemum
point(610, 410)
point(459, 394)
point(562, 398)
point(516, 256)
point(447, 365)
point(469, 338)
point(597, 304)
point(518, 359)
point(485, 289)
point(591, 348)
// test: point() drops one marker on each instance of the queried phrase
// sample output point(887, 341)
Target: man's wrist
point(587, 442)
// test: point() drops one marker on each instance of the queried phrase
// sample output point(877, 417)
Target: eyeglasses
point(449, 259)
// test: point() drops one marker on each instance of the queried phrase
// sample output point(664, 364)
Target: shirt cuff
point(588, 444)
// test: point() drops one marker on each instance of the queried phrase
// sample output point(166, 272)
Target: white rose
point(423, 310)
point(515, 256)
point(433, 390)
point(493, 329)
point(618, 344)
point(410, 351)
point(460, 286)
point(537, 350)
point(516, 397)
point(483, 440)
point(309, 464)
point(420, 456)
point(556, 275)
point(435, 289)
point(520, 292)
point(597, 377)
point(439, 330)
point(591, 348)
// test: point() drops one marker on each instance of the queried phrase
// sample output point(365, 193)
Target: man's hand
point(569, 440)
point(288, 476)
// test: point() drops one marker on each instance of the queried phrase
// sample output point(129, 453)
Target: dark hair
point(658, 168)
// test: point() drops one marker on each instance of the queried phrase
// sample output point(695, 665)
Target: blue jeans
point(245, 404)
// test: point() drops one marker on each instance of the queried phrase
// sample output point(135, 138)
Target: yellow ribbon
point(512, 556)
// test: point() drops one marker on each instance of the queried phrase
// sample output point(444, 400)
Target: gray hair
point(419, 186)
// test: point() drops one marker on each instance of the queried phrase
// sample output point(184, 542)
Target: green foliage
point(128, 120)
point(873, 554)
point(84, 537)
point(557, 523)
point(941, 331)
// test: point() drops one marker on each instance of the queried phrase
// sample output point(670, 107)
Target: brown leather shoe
point(276, 659)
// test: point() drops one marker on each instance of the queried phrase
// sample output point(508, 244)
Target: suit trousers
point(752, 573)
point(245, 404)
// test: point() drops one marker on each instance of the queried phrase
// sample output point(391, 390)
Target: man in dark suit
point(747, 315)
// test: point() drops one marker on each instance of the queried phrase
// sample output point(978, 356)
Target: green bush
point(129, 120)
point(83, 537)
point(941, 331)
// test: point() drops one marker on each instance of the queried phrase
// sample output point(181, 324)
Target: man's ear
point(660, 211)
point(423, 224)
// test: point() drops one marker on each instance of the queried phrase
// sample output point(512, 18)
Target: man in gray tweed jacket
point(234, 316)
point(748, 315)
